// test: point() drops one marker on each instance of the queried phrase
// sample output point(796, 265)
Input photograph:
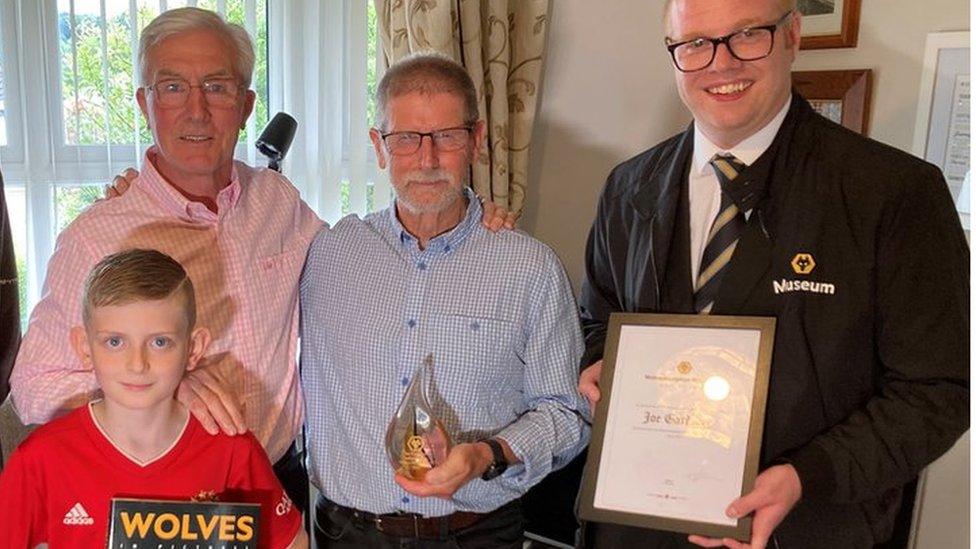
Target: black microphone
point(276, 139)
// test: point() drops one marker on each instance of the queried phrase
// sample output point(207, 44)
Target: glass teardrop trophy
point(416, 440)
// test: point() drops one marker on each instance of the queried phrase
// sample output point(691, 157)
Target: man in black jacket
point(853, 246)
point(9, 304)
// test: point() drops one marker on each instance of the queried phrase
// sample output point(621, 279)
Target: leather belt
point(407, 525)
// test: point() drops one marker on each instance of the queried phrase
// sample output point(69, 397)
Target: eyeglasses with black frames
point(445, 140)
point(218, 92)
point(748, 44)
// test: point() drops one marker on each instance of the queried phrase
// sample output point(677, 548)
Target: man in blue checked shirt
point(424, 277)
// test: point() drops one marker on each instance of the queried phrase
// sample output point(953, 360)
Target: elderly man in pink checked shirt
point(240, 232)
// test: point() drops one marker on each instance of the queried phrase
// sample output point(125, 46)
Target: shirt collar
point(748, 150)
point(448, 241)
point(177, 204)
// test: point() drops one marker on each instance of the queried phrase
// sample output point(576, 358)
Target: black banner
point(176, 525)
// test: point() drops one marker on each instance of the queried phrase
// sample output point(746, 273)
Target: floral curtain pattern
point(501, 44)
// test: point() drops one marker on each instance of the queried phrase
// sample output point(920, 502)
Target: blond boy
point(139, 338)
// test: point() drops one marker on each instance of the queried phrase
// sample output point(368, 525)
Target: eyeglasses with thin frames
point(748, 44)
point(218, 92)
point(444, 140)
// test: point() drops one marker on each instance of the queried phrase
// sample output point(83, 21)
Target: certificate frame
point(750, 466)
point(946, 59)
point(836, 27)
point(851, 89)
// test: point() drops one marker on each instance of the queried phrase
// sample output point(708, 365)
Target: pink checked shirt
point(244, 261)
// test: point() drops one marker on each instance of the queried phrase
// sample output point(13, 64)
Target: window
point(69, 120)
point(329, 64)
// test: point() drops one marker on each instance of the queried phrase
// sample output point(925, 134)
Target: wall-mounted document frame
point(677, 392)
point(942, 118)
point(843, 96)
point(829, 23)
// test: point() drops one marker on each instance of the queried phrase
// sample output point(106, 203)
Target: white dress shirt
point(704, 192)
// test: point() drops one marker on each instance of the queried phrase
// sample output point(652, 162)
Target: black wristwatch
point(498, 463)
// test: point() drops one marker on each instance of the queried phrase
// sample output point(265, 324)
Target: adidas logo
point(283, 506)
point(77, 516)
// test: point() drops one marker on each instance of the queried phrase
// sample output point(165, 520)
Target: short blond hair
point(787, 5)
point(137, 275)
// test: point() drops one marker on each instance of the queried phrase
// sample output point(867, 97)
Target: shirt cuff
point(530, 446)
point(538, 452)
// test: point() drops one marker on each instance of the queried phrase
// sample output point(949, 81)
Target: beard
point(444, 199)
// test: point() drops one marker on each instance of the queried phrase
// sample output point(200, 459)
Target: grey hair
point(181, 20)
point(426, 72)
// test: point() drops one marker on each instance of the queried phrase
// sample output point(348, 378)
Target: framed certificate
point(942, 119)
point(829, 23)
point(677, 431)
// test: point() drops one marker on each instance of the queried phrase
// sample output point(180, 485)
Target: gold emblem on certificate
point(416, 440)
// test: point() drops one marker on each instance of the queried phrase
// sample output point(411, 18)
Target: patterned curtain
point(501, 44)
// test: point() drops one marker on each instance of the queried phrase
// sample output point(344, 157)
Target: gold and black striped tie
point(722, 238)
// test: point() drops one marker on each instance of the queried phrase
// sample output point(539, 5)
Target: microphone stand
point(276, 139)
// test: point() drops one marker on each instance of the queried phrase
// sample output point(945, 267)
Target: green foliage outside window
point(71, 201)
point(372, 42)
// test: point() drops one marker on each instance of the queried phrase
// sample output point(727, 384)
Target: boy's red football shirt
point(58, 485)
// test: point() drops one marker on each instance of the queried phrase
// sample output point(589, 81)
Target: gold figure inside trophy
point(416, 440)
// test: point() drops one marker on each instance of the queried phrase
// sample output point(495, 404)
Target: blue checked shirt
point(496, 312)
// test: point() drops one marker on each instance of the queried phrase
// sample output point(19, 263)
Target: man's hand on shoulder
point(208, 392)
point(495, 217)
point(776, 491)
point(465, 462)
point(120, 184)
point(589, 384)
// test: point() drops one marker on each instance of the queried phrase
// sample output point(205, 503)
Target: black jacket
point(870, 375)
point(9, 304)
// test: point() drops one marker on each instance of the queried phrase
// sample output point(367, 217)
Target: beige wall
point(608, 93)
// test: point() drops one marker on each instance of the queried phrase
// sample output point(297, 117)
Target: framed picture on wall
point(942, 119)
point(841, 96)
point(829, 23)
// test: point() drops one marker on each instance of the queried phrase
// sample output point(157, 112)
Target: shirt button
point(404, 380)
point(422, 266)
point(475, 326)
point(447, 248)
point(411, 323)
point(405, 499)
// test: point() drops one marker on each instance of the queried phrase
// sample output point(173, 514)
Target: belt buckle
point(378, 523)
